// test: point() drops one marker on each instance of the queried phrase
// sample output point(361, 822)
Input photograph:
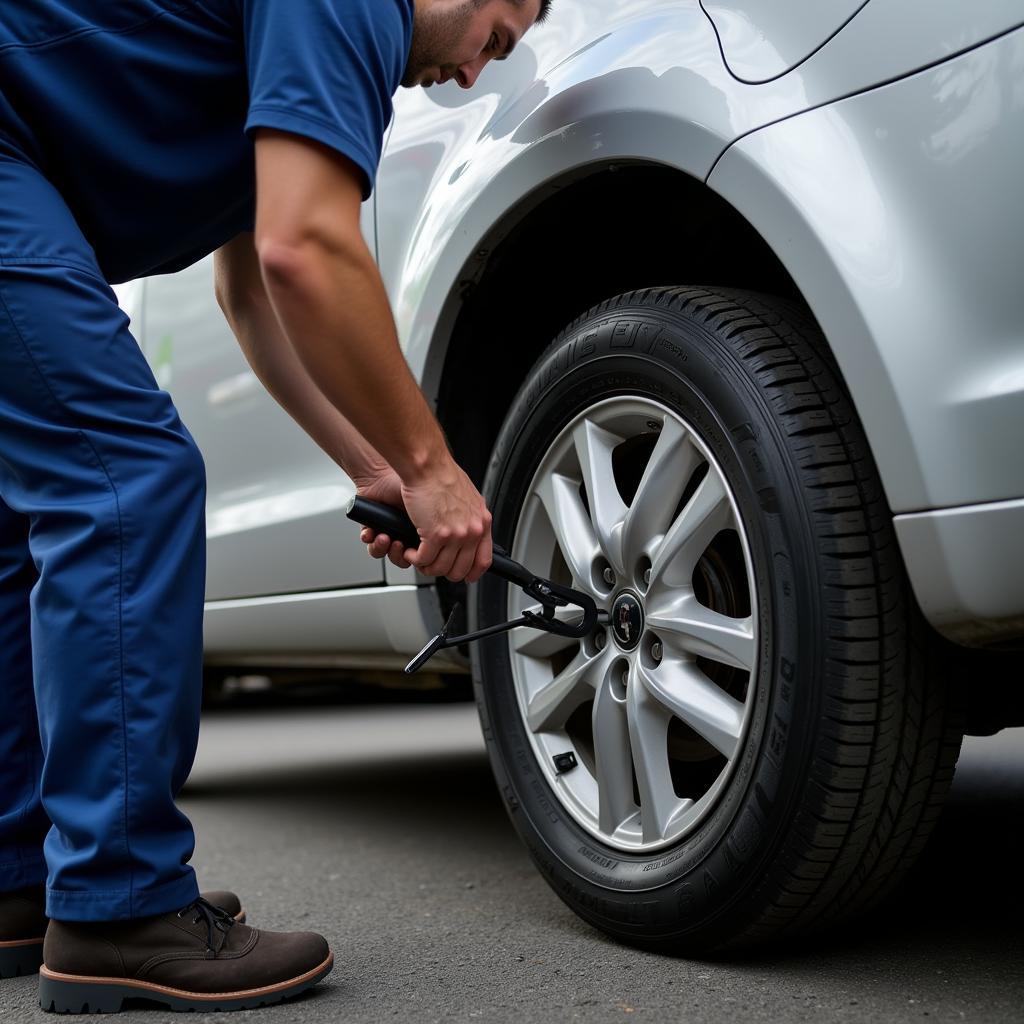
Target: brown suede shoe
point(23, 924)
point(198, 958)
point(22, 927)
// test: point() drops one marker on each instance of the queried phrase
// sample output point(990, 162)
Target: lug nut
point(657, 651)
point(608, 576)
point(625, 677)
point(600, 639)
point(647, 577)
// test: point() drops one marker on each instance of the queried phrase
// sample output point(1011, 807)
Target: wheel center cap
point(627, 620)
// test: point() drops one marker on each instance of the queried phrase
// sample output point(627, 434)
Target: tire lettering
point(744, 838)
point(777, 738)
point(662, 341)
point(604, 862)
point(538, 789)
point(646, 337)
point(622, 334)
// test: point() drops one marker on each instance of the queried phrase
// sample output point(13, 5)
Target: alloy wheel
point(638, 726)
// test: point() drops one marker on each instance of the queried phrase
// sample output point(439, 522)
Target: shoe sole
point(27, 957)
point(69, 993)
point(20, 957)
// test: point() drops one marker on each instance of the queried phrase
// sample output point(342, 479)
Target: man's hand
point(453, 523)
point(387, 489)
point(450, 515)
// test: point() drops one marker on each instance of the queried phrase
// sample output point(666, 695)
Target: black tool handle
point(398, 526)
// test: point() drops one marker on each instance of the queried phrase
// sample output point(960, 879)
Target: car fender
point(889, 211)
point(605, 80)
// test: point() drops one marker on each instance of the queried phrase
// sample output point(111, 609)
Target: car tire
point(843, 731)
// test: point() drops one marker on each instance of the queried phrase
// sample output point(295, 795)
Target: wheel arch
point(658, 226)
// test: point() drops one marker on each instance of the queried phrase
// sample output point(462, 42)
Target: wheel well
point(581, 242)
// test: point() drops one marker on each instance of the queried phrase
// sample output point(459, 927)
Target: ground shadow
point(957, 915)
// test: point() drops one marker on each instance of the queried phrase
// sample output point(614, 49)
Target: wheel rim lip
point(544, 745)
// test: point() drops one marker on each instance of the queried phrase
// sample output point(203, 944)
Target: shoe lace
point(217, 920)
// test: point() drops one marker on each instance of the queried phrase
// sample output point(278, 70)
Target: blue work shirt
point(141, 111)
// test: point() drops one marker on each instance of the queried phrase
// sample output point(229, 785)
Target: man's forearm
point(329, 298)
point(283, 374)
point(331, 302)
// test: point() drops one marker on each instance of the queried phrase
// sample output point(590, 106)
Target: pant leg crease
point(20, 334)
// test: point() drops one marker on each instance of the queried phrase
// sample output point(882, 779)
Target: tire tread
point(900, 775)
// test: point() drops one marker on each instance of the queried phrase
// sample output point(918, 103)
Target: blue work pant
point(102, 563)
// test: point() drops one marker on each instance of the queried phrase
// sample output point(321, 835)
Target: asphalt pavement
point(380, 827)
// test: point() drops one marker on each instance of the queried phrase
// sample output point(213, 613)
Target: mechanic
point(135, 138)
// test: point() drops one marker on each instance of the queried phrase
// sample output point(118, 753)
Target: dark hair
point(545, 7)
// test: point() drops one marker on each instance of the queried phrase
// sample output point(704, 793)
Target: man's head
point(456, 38)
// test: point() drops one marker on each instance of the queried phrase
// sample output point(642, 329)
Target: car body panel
point(959, 559)
point(860, 44)
point(628, 81)
point(275, 511)
point(365, 627)
point(839, 173)
point(763, 39)
point(924, 312)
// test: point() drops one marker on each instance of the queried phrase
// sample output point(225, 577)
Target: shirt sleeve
point(327, 69)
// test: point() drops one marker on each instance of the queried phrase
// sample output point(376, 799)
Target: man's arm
point(325, 289)
point(243, 299)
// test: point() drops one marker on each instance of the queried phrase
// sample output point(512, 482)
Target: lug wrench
point(398, 526)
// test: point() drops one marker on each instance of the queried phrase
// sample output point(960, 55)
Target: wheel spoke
point(689, 626)
point(707, 512)
point(648, 734)
point(594, 447)
point(573, 530)
point(684, 691)
point(551, 706)
point(669, 469)
point(613, 764)
point(578, 523)
point(535, 643)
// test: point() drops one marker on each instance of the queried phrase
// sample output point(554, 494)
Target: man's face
point(456, 38)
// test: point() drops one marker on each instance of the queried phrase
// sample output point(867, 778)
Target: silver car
point(721, 304)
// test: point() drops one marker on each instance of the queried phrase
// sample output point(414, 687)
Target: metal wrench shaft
point(397, 525)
